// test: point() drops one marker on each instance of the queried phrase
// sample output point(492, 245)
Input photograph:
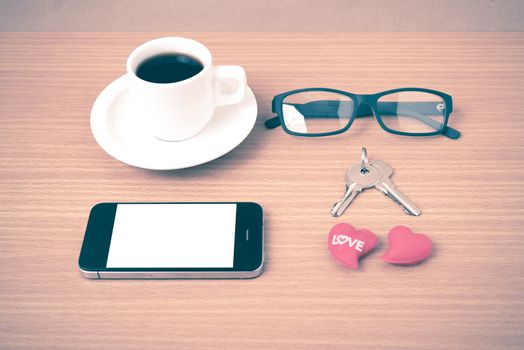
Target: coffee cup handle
point(229, 84)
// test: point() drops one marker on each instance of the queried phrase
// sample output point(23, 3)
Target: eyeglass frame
point(361, 101)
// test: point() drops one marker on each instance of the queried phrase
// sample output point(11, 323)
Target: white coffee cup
point(180, 110)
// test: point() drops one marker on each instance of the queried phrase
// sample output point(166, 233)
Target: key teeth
point(388, 194)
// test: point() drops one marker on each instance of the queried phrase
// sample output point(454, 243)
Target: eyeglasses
point(323, 112)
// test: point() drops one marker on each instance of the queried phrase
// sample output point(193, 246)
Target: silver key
point(386, 186)
point(357, 181)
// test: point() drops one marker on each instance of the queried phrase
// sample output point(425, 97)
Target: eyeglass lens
point(314, 112)
point(412, 111)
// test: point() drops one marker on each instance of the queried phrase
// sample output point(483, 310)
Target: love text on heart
point(351, 242)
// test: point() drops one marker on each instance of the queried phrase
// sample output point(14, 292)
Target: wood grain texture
point(469, 295)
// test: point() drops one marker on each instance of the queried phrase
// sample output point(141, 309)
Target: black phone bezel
point(248, 250)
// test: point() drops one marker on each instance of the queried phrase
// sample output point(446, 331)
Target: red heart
point(406, 247)
point(347, 244)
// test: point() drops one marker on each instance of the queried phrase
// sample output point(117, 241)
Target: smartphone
point(173, 240)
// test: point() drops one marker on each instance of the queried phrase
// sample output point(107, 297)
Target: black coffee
point(168, 68)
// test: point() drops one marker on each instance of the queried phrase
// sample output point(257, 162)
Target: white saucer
point(124, 135)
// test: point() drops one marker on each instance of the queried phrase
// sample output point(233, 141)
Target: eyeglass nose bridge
point(364, 105)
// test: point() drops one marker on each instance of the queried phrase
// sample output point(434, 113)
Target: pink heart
point(347, 244)
point(406, 247)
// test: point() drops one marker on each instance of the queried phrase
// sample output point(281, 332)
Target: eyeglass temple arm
point(330, 109)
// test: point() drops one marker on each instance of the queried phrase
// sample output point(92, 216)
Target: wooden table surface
point(468, 295)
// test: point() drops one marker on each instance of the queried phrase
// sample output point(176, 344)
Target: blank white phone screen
point(173, 236)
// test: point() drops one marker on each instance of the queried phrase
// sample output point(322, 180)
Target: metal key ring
point(364, 161)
